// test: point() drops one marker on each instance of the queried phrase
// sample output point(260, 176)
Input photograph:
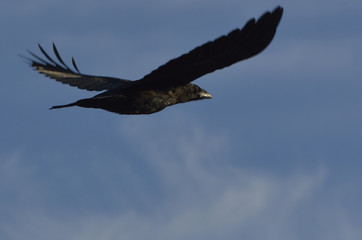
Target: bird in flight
point(170, 83)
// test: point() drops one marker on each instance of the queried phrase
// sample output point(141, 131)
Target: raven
point(170, 83)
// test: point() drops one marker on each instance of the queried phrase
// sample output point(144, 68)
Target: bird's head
point(192, 92)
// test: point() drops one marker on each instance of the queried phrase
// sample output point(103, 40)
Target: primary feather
point(62, 73)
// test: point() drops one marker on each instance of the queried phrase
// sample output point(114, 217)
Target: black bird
point(170, 83)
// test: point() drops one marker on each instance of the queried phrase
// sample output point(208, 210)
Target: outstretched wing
point(62, 73)
point(238, 45)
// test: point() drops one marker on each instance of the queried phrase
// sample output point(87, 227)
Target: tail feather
point(62, 106)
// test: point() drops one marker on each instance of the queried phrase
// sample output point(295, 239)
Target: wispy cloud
point(221, 202)
point(202, 196)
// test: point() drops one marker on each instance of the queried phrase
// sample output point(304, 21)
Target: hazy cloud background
point(276, 154)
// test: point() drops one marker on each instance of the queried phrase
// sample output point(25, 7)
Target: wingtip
point(75, 65)
point(278, 11)
point(25, 58)
point(40, 47)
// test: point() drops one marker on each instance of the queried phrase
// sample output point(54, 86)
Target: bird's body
point(170, 83)
point(141, 101)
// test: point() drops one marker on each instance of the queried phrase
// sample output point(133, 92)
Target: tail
point(63, 106)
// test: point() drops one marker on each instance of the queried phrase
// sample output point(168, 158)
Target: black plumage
point(170, 83)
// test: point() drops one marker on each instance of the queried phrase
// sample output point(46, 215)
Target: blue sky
point(276, 154)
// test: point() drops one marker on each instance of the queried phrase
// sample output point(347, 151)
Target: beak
point(205, 95)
